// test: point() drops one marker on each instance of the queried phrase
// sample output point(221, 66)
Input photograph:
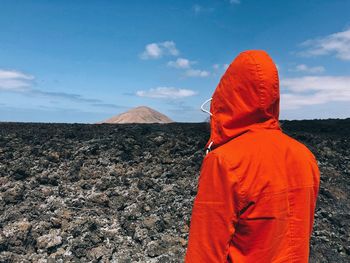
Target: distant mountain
point(140, 114)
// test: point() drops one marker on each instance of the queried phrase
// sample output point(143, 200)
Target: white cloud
point(19, 82)
point(14, 74)
point(197, 9)
point(337, 44)
point(152, 51)
point(307, 69)
point(166, 93)
point(182, 63)
point(311, 90)
point(170, 46)
point(235, 2)
point(197, 73)
point(15, 80)
point(158, 50)
point(220, 66)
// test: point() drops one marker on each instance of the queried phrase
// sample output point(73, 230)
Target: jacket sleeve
point(214, 212)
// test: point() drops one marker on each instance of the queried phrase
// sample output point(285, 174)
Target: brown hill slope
point(140, 114)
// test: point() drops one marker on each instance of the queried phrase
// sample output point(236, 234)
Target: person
point(258, 187)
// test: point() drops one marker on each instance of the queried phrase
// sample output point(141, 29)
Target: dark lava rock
point(20, 173)
point(14, 194)
point(124, 193)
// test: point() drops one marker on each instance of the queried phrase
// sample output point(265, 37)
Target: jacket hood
point(246, 98)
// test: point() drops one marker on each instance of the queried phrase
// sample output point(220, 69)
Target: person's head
point(247, 96)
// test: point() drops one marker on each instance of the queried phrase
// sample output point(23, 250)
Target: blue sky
point(84, 61)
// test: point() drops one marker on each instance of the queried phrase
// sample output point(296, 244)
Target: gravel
point(124, 192)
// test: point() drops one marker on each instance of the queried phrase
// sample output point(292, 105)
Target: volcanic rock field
point(124, 192)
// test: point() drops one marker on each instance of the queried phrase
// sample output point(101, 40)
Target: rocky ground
point(124, 193)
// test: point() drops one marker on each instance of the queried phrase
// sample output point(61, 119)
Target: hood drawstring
point(207, 111)
point(209, 148)
point(202, 106)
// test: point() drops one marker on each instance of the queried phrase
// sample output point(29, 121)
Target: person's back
point(258, 187)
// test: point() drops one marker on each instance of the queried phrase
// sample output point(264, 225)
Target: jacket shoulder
point(263, 142)
point(300, 147)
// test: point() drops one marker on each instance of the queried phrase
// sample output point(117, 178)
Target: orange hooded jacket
point(258, 187)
